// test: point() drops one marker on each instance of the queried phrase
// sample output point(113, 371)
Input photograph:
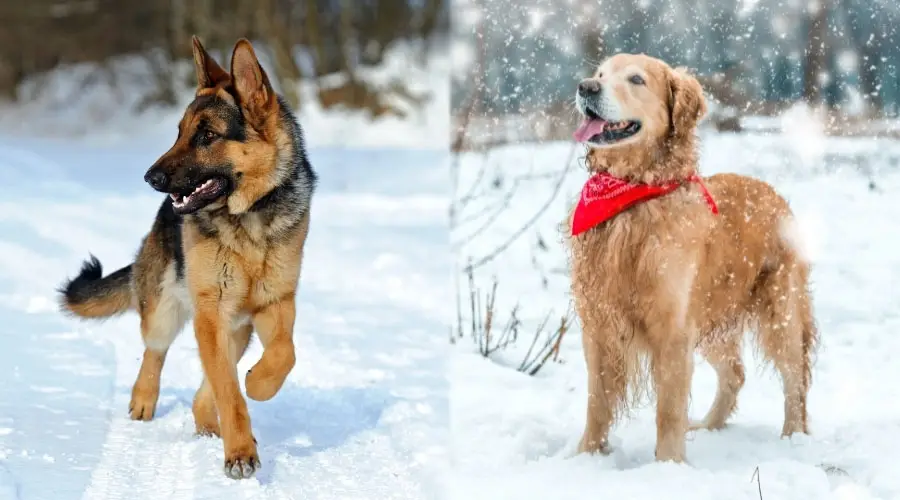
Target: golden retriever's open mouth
point(596, 130)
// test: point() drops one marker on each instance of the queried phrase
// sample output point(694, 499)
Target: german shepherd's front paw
point(208, 429)
point(142, 405)
point(267, 376)
point(243, 462)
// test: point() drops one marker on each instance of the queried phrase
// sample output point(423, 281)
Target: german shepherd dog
point(225, 248)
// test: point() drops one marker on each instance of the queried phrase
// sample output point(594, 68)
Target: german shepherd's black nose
point(588, 87)
point(157, 179)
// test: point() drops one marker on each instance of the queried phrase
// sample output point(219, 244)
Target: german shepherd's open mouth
point(200, 194)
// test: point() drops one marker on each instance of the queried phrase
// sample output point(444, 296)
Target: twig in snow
point(758, 481)
point(544, 345)
point(550, 348)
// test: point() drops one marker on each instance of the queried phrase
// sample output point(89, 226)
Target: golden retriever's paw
point(697, 425)
point(677, 458)
point(593, 447)
point(242, 464)
point(793, 428)
point(142, 406)
point(670, 453)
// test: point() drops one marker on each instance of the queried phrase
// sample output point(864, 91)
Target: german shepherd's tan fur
point(668, 276)
point(225, 249)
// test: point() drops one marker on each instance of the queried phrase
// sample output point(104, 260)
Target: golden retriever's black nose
point(157, 179)
point(589, 86)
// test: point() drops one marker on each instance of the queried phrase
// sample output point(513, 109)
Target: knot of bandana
point(605, 196)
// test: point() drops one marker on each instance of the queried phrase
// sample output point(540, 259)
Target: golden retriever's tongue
point(589, 128)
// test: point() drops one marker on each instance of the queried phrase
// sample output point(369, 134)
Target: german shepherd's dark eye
point(636, 79)
point(204, 136)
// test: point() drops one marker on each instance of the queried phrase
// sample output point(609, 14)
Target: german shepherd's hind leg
point(145, 392)
point(275, 327)
point(162, 318)
point(787, 335)
point(607, 382)
point(206, 418)
point(725, 358)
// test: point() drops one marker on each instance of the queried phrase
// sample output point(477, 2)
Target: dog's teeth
point(174, 197)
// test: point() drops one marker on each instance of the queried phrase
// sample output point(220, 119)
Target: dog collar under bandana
point(605, 196)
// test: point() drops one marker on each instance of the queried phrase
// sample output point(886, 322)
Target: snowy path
point(518, 432)
point(364, 413)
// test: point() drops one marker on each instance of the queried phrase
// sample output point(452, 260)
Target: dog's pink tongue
point(589, 128)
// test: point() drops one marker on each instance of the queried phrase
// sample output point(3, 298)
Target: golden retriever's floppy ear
point(209, 73)
point(254, 91)
point(686, 101)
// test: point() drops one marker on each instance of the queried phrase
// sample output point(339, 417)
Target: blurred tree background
point(752, 56)
point(303, 40)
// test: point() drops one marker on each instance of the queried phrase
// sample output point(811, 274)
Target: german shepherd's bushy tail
point(90, 295)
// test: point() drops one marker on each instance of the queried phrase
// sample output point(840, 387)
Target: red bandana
point(604, 196)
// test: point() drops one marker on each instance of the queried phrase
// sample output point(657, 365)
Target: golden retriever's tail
point(90, 295)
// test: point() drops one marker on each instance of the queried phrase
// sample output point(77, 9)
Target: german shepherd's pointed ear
point(209, 73)
point(251, 83)
point(687, 103)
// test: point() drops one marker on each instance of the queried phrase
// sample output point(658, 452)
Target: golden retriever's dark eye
point(636, 79)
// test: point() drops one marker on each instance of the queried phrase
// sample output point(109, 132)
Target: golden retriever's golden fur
point(668, 276)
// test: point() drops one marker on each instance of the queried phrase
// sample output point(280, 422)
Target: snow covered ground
point(363, 415)
point(514, 435)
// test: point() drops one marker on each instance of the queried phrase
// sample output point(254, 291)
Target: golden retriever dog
point(690, 268)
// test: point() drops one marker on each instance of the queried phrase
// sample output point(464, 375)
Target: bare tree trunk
point(346, 37)
point(814, 68)
point(10, 76)
point(200, 18)
point(592, 43)
point(869, 60)
point(179, 38)
point(270, 26)
point(431, 17)
point(313, 37)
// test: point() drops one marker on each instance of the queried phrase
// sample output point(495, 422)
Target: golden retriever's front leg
point(275, 327)
point(607, 378)
point(241, 458)
point(672, 365)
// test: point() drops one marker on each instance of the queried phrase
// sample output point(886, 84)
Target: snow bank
point(77, 101)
